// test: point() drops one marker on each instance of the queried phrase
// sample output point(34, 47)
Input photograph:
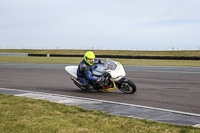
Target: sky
point(100, 24)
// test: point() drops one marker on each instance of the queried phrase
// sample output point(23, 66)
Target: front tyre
point(127, 87)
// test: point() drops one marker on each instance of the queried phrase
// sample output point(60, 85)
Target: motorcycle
point(113, 73)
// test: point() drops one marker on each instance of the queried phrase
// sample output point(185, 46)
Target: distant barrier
point(41, 55)
point(122, 56)
point(106, 56)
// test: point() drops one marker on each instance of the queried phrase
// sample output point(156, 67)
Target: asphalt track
point(173, 88)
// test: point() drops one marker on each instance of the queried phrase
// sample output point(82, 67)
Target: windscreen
point(110, 65)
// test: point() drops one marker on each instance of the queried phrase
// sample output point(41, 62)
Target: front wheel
point(127, 87)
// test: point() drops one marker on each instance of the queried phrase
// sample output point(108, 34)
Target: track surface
point(175, 88)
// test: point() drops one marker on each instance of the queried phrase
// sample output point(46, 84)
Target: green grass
point(20, 114)
point(77, 60)
point(189, 53)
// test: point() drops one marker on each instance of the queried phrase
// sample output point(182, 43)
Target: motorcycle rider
point(84, 70)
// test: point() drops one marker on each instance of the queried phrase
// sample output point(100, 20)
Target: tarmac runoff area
point(114, 108)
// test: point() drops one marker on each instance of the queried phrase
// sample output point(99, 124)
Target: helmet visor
point(90, 61)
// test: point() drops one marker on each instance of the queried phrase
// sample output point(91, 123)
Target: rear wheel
point(79, 85)
point(127, 87)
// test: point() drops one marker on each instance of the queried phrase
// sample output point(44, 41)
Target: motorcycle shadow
point(65, 90)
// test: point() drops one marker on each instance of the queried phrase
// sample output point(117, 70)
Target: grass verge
point(77, 60)
point(20, 114)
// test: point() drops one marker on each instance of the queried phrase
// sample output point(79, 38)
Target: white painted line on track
point(112, 102)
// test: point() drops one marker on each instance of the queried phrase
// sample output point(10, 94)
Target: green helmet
point(89, 55)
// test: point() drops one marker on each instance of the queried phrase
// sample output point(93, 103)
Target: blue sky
point(100, 24)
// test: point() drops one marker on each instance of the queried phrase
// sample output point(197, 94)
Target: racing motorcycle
point(113, 73)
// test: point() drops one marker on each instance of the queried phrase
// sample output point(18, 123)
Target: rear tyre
point(127, 87)
point(79, 86)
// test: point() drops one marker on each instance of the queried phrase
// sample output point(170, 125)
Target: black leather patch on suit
point(85, 69)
